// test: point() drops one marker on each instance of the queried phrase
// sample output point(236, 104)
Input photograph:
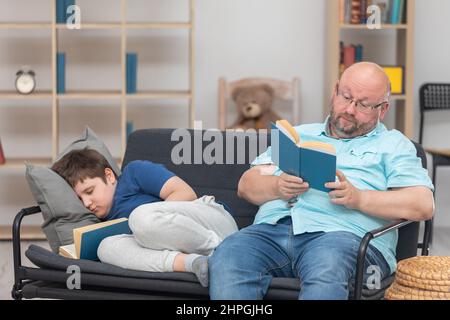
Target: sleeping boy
point(173, 230)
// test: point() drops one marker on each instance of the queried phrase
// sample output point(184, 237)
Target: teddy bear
point(254, 105)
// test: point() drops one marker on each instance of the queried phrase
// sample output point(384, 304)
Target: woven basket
point(421, 278)
point(399, 292)
point(433, 285)
point(435, 268)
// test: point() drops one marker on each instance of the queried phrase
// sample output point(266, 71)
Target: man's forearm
point(257, 188)
point(413, 203)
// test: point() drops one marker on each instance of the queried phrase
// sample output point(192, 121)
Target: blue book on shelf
point(60, 72)
point(131, 72)
point(60, 11)
point(395, 13)
point(358, 53)
point(67, 3)
point(313, 161)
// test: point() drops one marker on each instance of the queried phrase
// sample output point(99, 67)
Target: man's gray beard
point(353, 131)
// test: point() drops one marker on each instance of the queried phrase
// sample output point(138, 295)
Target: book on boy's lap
point(87, 239)
point(313, 161)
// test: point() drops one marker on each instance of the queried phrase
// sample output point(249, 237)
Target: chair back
point(408, 236)
point(285, 91)
point(433, 97)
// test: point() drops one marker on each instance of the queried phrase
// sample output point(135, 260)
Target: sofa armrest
point(363, 249)
point(16, 247)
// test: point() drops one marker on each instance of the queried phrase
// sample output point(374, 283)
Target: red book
point(349, 56)
point(2, 156)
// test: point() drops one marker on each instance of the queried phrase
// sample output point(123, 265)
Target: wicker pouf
point(421, 278)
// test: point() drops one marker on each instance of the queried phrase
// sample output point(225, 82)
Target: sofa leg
point(16, 292)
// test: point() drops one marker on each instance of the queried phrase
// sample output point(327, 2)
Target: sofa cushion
point(61, 209)
point(219, 179)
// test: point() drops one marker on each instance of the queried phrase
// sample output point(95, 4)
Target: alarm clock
point(25, 81)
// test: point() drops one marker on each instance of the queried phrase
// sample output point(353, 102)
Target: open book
point(313, 161)
point(88, 238)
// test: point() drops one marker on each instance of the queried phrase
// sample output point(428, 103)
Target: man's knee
point(227, 255)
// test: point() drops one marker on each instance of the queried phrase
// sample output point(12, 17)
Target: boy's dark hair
point(80, 164)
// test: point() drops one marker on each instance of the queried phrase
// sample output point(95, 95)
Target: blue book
point(358, 53)
point(131, 72)
point(60, 72)
point(88, 238)
point(67, 3)
point(60, 11)
point(395, 13)
point(313, 161)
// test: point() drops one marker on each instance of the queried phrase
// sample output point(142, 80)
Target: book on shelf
point(60, 72)
point(349, 55)
point(87, 239)
point(131, 72)
point(397, 11)
point(313, 161)
point(2, 155)
point(61, 10)
point(355, 11)
point(355, 14)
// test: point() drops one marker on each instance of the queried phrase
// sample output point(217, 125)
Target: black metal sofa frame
point(103, 281)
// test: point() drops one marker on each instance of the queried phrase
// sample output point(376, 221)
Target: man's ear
point(109, 175)
point(336, 86)
point(384, 110)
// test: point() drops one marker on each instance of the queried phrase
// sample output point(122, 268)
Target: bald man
point(380, 179)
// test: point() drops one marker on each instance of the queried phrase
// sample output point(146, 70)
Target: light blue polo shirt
point(379, 160)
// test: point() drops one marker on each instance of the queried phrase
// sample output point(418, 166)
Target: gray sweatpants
point(163, 229)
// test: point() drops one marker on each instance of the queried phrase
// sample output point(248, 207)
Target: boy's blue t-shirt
point(141, 182)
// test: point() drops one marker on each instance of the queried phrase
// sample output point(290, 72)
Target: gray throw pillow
point(89, 139)
point(61, 209)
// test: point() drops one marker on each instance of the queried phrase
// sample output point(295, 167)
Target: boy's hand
point(344, 192)
point(290, 186)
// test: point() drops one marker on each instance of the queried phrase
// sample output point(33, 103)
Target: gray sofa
point(102, 281)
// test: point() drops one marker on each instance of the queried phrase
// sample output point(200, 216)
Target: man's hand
point(290, 186)
point(344, 192)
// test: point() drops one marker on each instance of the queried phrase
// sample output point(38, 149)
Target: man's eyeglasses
point(347, 100)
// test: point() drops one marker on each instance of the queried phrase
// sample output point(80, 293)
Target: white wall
point(234, 38)
point(432, 64)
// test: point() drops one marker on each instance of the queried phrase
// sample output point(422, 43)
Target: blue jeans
point(243, 265)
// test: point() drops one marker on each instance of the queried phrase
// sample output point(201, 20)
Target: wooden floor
point(26, 233)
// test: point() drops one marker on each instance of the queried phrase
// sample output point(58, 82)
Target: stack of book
point(355, 11)
point(349, 55)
